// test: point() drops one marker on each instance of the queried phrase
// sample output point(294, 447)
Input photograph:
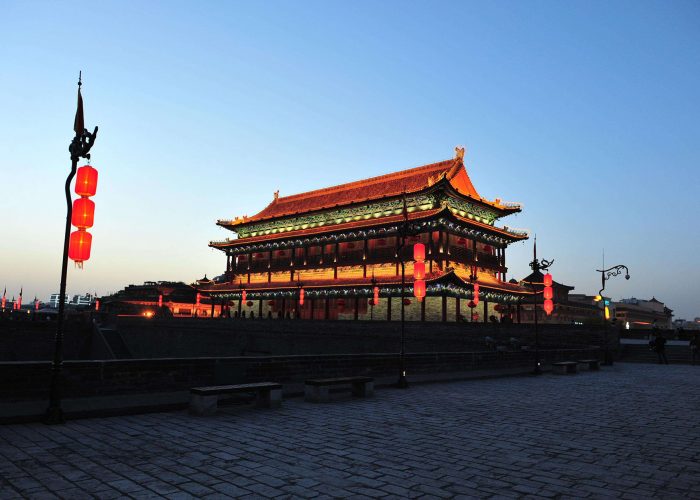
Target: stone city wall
point(30, 380)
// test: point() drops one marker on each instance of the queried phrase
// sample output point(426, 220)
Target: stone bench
point(318, 390)
point(589, 364)
point(205, 400)
point(565, 367)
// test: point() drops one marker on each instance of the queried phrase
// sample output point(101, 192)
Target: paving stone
point(540, 437)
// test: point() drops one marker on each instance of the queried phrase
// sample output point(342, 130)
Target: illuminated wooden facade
point(339, 243)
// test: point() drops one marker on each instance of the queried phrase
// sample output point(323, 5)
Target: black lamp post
point(402, 382)
point(537, 265)
point(605, 275)
point(79, 148)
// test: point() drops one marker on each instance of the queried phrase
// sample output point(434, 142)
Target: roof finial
point(277, 194)
point(80, 79)
point(459, 153)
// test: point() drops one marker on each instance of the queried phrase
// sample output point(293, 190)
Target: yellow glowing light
point(598, 298)
point(607, 312)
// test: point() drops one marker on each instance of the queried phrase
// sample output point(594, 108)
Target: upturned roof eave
point(443, 183)
point(435, 212)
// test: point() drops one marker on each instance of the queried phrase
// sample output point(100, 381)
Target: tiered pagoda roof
point(448, 174)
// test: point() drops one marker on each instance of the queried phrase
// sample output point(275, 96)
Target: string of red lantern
point(419, 271)
point(548, 294)
point(83, 215)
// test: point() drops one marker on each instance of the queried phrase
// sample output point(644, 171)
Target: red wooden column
point(396, 255)
point(364, 259)
point(250, 263)
point(388, 308)
point(260, 304)
point(486, 311)
point(447, 249)
point(335, 260)
point(431, 251)
point(269, 266)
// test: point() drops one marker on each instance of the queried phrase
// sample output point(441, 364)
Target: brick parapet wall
point(185, 337)
point(29, 380)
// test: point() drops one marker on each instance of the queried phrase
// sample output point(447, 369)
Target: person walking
point(695, 348)
point(660, 346)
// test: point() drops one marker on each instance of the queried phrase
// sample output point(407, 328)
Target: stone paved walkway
point(631, 431)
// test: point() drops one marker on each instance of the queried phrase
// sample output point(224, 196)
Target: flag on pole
point(79, 123)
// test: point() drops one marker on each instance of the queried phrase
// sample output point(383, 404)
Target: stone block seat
point(318, 390)
point(205, 400)
point(589, 364)
point(565, 367)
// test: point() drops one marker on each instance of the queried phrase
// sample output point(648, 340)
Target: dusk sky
point(585, 112)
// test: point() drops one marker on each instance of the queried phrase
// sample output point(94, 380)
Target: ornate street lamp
point(537, 265)
point(79, 148)
point(605, 275)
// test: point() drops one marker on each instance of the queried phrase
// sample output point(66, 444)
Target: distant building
point(568, 308)
point(687, 325)
point(635, 314)
point(160, 298)
point(75, 300)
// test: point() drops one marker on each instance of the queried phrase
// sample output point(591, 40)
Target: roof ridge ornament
point(277, 194)
point(459, 153)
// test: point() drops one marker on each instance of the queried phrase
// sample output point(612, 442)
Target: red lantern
point(160, 300)
point(547, 280)
point(475, 316)
point(462, 241)
point(36, 305)
point(407, 302)
point(419, 252)
point(97, 304)
point(475, 299)
point(249, 303)
point(471, 304)
point(419, 270)
point(244, 294)
point(83, 213)
point(376, 295)
point(419, 289)
point(498, 308)
point(381, 242)
point(351, 245)
point(270, 302)
point(281, 253)
point(199, 298)
point(79, 246)
point(548, 292)
point(301, 296)
point(548, 306)
point(86, 181)
point(259, 255)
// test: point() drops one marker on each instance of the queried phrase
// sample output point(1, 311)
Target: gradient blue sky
point(586, 112)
